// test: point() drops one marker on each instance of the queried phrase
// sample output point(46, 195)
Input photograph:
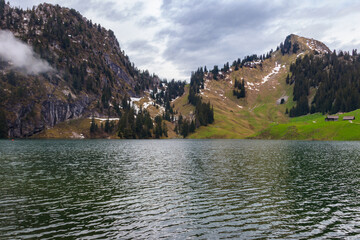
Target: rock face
point(52, 112)
point(57, 111)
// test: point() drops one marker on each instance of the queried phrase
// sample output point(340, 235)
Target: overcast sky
point(173, 37)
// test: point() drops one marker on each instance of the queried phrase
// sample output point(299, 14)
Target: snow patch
point(175, 99)
point(314, 46)
point(300, 54)
point(275, 71)
point(105, 119)
point(133, 99)
point(241, 107)
point(147, 104)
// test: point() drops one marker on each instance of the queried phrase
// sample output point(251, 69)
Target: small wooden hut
point(331, 118)
point(348, 118)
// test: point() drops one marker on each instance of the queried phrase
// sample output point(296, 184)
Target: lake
point(178, 189)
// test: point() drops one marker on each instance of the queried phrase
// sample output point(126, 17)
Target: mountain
point(55, 66)
point(267, 94)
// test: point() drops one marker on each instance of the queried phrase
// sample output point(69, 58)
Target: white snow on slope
point(147, 104)
point(133, 99)
point(105, 119)
point(275, 70)
point(313, 46)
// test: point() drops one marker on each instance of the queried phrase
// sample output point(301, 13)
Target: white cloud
point(21, 55)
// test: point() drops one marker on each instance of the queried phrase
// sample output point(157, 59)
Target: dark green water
point(177, 189)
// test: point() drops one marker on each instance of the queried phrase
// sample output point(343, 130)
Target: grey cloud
point(215, 32)
point(143, 51)
point(148, 22)
point(142, 45)
point(106, 8)
point(108, 11)
point(21, 55)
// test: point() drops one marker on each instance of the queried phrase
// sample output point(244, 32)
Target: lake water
point(177, 189)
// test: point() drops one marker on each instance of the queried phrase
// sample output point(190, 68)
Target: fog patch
point(21, 55)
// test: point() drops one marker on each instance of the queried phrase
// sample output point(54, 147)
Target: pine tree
point(158, 127)
point(3, 125)
point(164, 129)
point(192, 127)
point(185, 129)
point(107, 128)
point(287, 79)
point(93, 126)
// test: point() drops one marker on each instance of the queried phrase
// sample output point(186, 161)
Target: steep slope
point(265, 84)
point(89, 72)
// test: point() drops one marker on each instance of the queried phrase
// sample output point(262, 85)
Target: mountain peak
point(294, 43)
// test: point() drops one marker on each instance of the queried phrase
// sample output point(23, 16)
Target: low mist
point(21, 55)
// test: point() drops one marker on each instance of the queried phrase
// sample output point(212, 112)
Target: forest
point(239, 89)
point(204, 112)
point(132, 124)
point(335, 79)
point(139, 124)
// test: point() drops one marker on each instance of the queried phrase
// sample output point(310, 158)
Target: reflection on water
point(179, 189)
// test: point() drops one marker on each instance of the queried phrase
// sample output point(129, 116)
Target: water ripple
point(178, 189)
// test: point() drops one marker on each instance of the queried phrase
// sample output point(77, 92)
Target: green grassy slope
point(241, 118)
point(314, 127)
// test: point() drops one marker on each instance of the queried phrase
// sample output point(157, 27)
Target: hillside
point(314, 127)
point(56, 66)
point(265, 84)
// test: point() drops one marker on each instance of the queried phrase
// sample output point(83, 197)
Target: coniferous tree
point(185, 129)
point(192, 127)
point(215, 72)
point(158, 127)
point(107, 128)
point(287, 79)
point(93, 125)
point(3, 125)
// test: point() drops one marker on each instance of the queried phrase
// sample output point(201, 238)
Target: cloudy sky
point(173, 37)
